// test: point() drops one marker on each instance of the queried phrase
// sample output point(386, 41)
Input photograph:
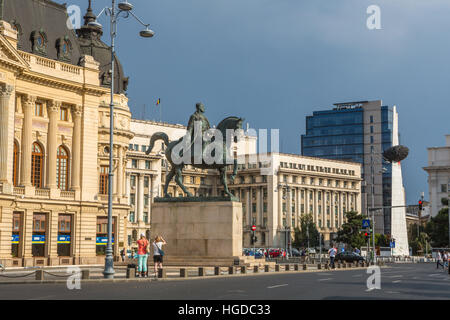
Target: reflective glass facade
point(335, 134)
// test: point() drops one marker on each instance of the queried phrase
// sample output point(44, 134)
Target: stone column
point(28, 103)
point(258, 208)
point(53, 108)
point(120, 173)
point(249, 206)
point(289, 207)
point(76, 146)
point(316, 214)
point(280, 207)
point(332, 210)
point(5, 94)
point(341, 209)
point(140, 198)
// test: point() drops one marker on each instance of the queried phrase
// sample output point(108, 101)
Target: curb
point(152, 279)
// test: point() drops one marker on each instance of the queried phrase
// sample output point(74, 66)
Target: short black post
point(296, 267)
point(40, 275)
point(266, 268)
point(131, 272)
point(255, 269)
point(243, 269)
point(85, 274)
point(162, 273)
point(319, 266)
point(216, 271)
point(305, 266)
point(287, 267)
point(230, 270)
point(277, 267)
point(183, 273)
point(201, 272)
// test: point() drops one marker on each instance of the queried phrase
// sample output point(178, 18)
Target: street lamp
point(114, 15)
point(286, 229)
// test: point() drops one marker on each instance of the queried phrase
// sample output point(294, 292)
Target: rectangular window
point(131, 216)
point(145, 217)
point(371, 119)
point(134, 163)
point(133, 181)
point(39, 234)
point(16, 233)
point(147, 164)
point(265, 207)
point(145, 199)
point(132, 199)
point(64, 114)
point(64, 235)
point(103, 188)
point(39, 109)
point(143, 148)
point(371, 139)
point(302, 208)
point(284, 207)
point(443, 188)
point(102, 234)
point(371, 129)
point(136, 147)
point(146, 181)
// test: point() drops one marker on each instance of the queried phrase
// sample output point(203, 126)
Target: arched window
point(37, 163)
point(16, 164)
point(62, 168)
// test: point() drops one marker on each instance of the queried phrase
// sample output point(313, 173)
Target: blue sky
point(274, 62)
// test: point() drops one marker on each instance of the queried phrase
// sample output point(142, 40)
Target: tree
point(381, 240)
point(350, 231)
point(437, 229)
point(307, 225)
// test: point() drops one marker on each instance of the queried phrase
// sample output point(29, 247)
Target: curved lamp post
point(114, 14)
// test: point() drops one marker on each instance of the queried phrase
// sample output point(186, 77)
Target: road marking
point(370, 289)
point(398, 276)
point(357, 275)
point(277, 286)
point(392, 292)
point(324, 274)
point(435, 274)
point(396, 281)
point(325, 279)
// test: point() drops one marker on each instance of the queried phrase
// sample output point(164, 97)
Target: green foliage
point(420, 243)
point(301, 235)
point(350, 232)
point(444, 201)
point(381, 240)
point(437, 229)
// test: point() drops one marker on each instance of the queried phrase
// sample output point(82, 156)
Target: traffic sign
point(392, 244)
point(366, 223)
point(253, 228)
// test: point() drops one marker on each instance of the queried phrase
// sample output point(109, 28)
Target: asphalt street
point(398, 281)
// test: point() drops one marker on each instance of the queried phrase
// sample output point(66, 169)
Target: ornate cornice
point(6, 90)
point(28, 100)
point(54, 106)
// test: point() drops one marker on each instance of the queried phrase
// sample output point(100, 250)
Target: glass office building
point(358, 132)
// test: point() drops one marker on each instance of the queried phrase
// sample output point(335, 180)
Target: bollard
point(230, 270)
point(243, 269)
point(338, 265)
point(84, 274)
point(216, 271)
point(162, 273)
point(277, 267)
point(201, 272)
point(266, 268)
point(183, 273)
point(287, 267)
point(327, 266)
point(349, 265)
point(296, 267)
point(319, 266)
point(40, 275)
point(304, 267)
point(255, 269)
point(343, 265)
point(131, 273)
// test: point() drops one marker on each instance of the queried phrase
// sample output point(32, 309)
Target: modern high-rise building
point(360, 132)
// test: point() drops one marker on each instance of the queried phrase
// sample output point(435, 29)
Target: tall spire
point(90, 16)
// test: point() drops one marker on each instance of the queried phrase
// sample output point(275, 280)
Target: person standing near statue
point(142, 256)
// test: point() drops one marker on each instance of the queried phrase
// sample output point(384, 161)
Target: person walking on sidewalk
point(142, 256)
point(158, 253)
point(332, 252)
point(439, 260)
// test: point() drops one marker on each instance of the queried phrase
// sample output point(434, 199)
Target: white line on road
point(396, 281)
point(325, 279)
point(277, 286)
point(398, 276)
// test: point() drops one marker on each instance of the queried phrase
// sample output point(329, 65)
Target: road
point(398, 281)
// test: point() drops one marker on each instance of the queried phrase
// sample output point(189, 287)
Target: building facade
point(438, 170)
point(54, 137)
point(278, 189)
point(360, 132)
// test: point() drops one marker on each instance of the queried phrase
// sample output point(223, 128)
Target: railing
point(68, 194)
point(42, 193)
point(19, 190)
point(48, 63)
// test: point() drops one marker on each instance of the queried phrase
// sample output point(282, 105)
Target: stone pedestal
point(199, 230)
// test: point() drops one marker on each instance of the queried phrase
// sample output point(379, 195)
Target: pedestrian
point(122, 254)
point(439, 260)
point(142, 256)
point(445, 257)
point(158, 253)
point(332, 252)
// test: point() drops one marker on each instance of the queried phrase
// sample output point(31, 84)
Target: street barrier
point(255, 269)
point(85, 274)
point(266, 268)
point(319, 266)
point(162, 273)
point(201, 272)
point(277, 267)
point(183, 273)
point(216, 271)
point(304, 267)
point(230, 270)
point(287, 267)
point(40, 275)
point(243, 269)
point(296, 267)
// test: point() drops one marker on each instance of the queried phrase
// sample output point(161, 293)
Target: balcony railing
point(42, 193)
point(68, 194)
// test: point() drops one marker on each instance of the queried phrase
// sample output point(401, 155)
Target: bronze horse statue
point(233, 123)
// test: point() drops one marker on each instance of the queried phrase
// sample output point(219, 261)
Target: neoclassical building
point(278, 189)
point(54, 138)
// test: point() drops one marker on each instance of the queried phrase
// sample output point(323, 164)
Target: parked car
point(273, 253)
point(348, 256)
point(296, 253)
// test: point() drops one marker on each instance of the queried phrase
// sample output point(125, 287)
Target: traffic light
point(420, 205)
point(366, 236)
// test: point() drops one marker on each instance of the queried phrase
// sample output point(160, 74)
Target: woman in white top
point(158, 253)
